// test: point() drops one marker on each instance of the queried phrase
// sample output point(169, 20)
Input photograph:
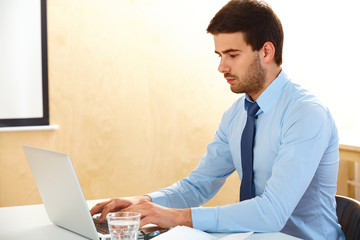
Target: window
point(321, 53)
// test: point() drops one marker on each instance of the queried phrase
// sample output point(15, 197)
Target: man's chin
point(236, 90)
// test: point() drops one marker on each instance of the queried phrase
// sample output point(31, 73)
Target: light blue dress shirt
point(296, 160)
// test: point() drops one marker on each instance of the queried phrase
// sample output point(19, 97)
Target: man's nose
point(223, 67)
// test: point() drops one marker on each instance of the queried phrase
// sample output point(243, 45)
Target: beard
point(252, 81)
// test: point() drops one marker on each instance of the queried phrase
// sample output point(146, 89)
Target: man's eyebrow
point(228, 51)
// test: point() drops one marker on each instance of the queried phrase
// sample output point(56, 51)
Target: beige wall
point(135, 90)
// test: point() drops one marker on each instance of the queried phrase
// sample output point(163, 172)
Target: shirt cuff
point(158, 198)
point(205, 218)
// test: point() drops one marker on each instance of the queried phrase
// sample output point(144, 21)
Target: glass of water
point(123, 225)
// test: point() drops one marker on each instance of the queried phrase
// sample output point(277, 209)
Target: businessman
point(279, 138)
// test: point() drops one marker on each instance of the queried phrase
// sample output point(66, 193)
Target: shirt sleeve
point(206, 180)
point(305, 136)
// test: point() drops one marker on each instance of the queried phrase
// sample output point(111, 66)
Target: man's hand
point(117, 204)
point(150, 212)
point(162, 216)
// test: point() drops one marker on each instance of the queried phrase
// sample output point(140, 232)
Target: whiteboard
point(23, 63)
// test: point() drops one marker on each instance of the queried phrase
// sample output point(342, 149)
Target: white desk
point(31, 223)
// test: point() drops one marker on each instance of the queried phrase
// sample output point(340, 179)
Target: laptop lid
point(60, 191)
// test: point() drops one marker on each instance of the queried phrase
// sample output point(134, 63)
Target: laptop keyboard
point(101, 227)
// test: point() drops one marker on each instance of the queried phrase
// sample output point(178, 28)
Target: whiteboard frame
point(44, 120)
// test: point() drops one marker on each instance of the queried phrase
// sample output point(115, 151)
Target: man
point(289, 183)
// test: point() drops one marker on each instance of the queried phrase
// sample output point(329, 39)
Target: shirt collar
point(271, 94)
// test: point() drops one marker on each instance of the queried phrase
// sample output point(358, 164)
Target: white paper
point(183, 232)
point(237, 236)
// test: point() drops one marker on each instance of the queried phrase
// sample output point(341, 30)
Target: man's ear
point(268, 52)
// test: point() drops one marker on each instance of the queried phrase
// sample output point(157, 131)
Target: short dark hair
point(255, 19)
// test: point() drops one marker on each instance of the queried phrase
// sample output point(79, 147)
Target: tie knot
point(253, 107)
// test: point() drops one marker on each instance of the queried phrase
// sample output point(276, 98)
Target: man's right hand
point(117, 204)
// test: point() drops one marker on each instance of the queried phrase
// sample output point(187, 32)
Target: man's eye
point(233, 55)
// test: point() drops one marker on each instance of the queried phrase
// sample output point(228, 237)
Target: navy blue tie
point(247, 188)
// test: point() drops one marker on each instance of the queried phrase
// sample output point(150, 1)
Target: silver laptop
point(63, 198)
point(61, 193)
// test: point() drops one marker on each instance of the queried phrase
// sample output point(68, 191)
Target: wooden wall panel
point(348, 178)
